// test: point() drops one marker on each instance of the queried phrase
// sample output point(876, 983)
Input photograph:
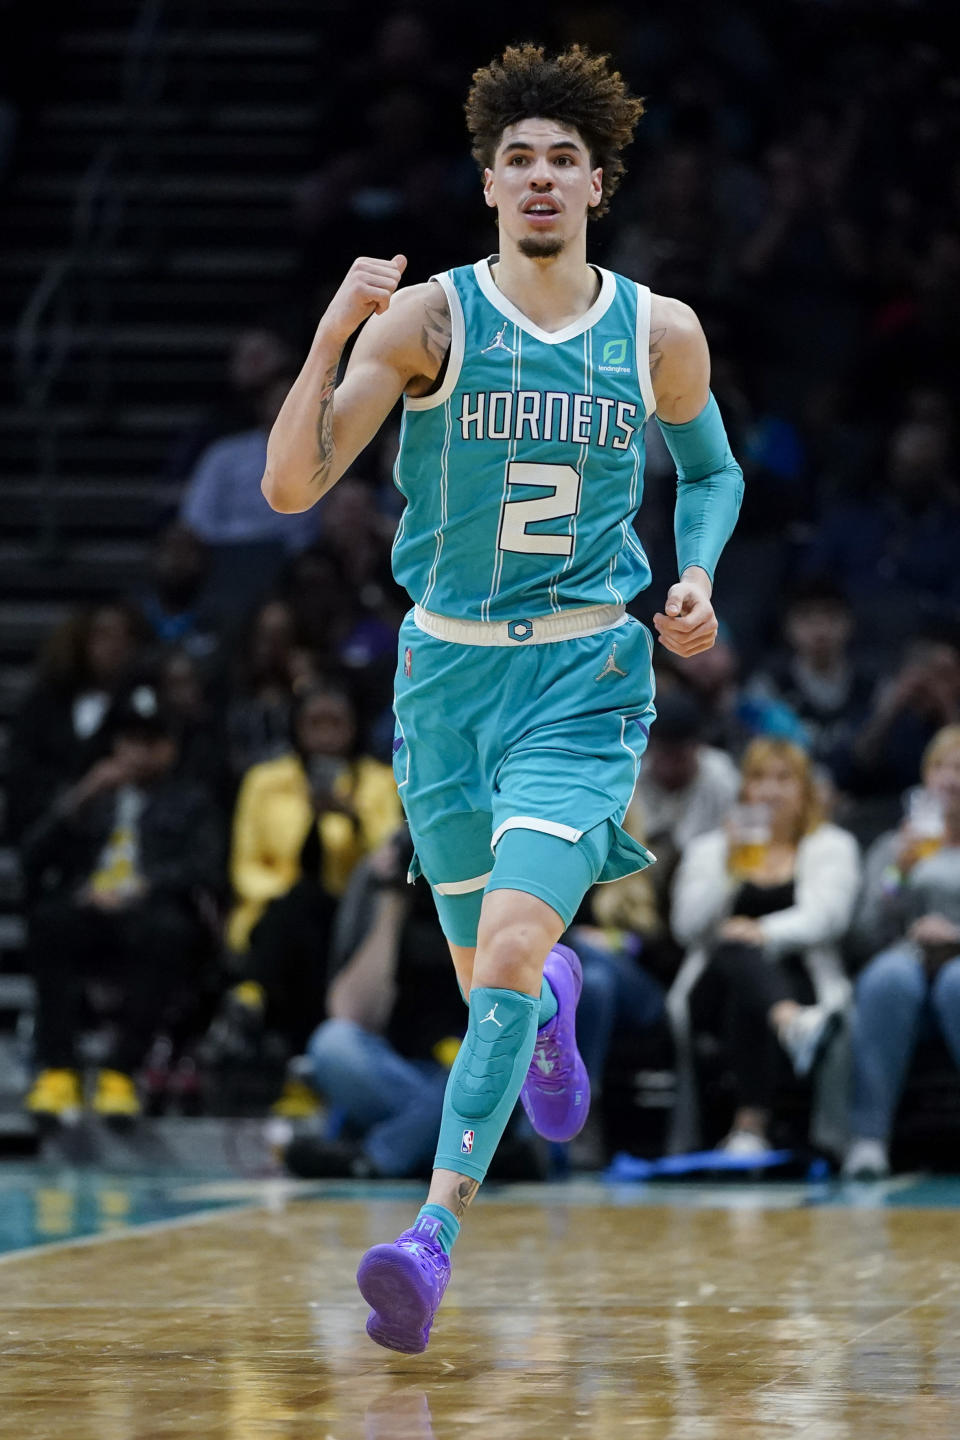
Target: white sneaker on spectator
point(866, 1160)
point(744, 1144)
point(806, 1035)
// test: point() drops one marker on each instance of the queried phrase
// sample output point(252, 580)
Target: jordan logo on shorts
point(610, 667)
point(493, 1016)
point(498, 342)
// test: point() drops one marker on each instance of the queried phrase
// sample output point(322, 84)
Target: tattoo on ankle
point(466, 1191)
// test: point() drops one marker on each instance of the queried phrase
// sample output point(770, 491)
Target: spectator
point(347, 612)
point(684, 788)
point(172, 603)
point(818, 678)
point(764, 923)
point(87, 667)
point(361, 536)
point(131, 850)
point(197, 727)
point(621, 1000)
point(730, 717)
point(302, 823)
point(910, 913)
point(804, 257)
point(674, 241)
point(223, 505)
point(258, 355)
point(908, 709)
point(363, 196)
point(271, 666)
point(392, 1007)
point(394, 1022)
point(896, 551)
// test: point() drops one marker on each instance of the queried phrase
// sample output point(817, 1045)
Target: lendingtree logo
point(614, 356)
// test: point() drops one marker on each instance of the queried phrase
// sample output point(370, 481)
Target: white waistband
point(534, 630)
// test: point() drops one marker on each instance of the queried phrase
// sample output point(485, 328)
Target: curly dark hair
point(574, 88)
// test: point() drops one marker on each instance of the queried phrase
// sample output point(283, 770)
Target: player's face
point(542, 186)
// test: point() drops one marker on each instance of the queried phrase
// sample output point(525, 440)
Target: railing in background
point(75, 288)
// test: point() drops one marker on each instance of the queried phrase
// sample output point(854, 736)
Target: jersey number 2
point(516, 515)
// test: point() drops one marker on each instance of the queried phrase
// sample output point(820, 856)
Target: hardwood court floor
point(603, 1320)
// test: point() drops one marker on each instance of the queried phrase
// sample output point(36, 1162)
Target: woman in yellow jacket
point(301, 824)
point(352, 800)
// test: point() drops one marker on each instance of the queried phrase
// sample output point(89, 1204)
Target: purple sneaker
point(556, 1092)
point(403, 1283)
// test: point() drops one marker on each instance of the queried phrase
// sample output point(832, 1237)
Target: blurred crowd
point(201, 784)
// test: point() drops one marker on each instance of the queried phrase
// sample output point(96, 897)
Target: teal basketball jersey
point(523, 472)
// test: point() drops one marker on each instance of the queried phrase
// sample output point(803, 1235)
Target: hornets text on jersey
point(523, 472)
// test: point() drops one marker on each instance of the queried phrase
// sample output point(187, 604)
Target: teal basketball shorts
point(516, 763)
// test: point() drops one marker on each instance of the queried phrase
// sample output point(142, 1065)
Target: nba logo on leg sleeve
point(466, 1144)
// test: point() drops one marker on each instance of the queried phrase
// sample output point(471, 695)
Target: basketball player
point(524, 692)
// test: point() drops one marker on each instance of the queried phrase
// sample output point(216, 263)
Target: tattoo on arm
point(466, 1191)
point(325, 426)
point(656, 351)
point(435, 335)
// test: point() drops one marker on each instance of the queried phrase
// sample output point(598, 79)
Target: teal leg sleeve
point(486, 1079)
point(555, 870)
point(548, 1002)
point(459, 916)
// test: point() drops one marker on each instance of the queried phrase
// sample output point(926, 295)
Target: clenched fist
point(689, 624)
point(366, 290)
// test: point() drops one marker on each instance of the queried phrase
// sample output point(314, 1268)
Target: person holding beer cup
point(909, 922)
point(762, 905)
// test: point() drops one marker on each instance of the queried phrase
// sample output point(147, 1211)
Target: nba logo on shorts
point(408, 662)
point(466, 1144)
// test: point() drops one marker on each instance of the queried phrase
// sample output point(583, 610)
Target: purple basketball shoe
point(556, 1092)
point(403, 1283)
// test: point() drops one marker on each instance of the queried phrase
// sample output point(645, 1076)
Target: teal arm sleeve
point(709, 488)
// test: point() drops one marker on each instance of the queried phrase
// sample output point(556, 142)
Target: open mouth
point(541, 218)
point(541, 209)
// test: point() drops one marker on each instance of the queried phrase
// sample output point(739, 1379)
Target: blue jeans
point(896, 1003)
point(396, 1103)
point(617, 992)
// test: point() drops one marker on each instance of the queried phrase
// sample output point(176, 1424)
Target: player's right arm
point(322, 427)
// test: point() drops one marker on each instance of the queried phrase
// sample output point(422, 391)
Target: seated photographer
point(909, 922)
point(126, 857)
point(763, 905)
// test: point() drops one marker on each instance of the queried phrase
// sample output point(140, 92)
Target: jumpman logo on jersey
point(610, 666)
point(493, 1016)
point(498, 342)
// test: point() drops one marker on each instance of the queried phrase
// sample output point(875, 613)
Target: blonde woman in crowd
point(909, 921)
point(762, 905)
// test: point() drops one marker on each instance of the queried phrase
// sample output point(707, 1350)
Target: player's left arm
point(709, 480)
